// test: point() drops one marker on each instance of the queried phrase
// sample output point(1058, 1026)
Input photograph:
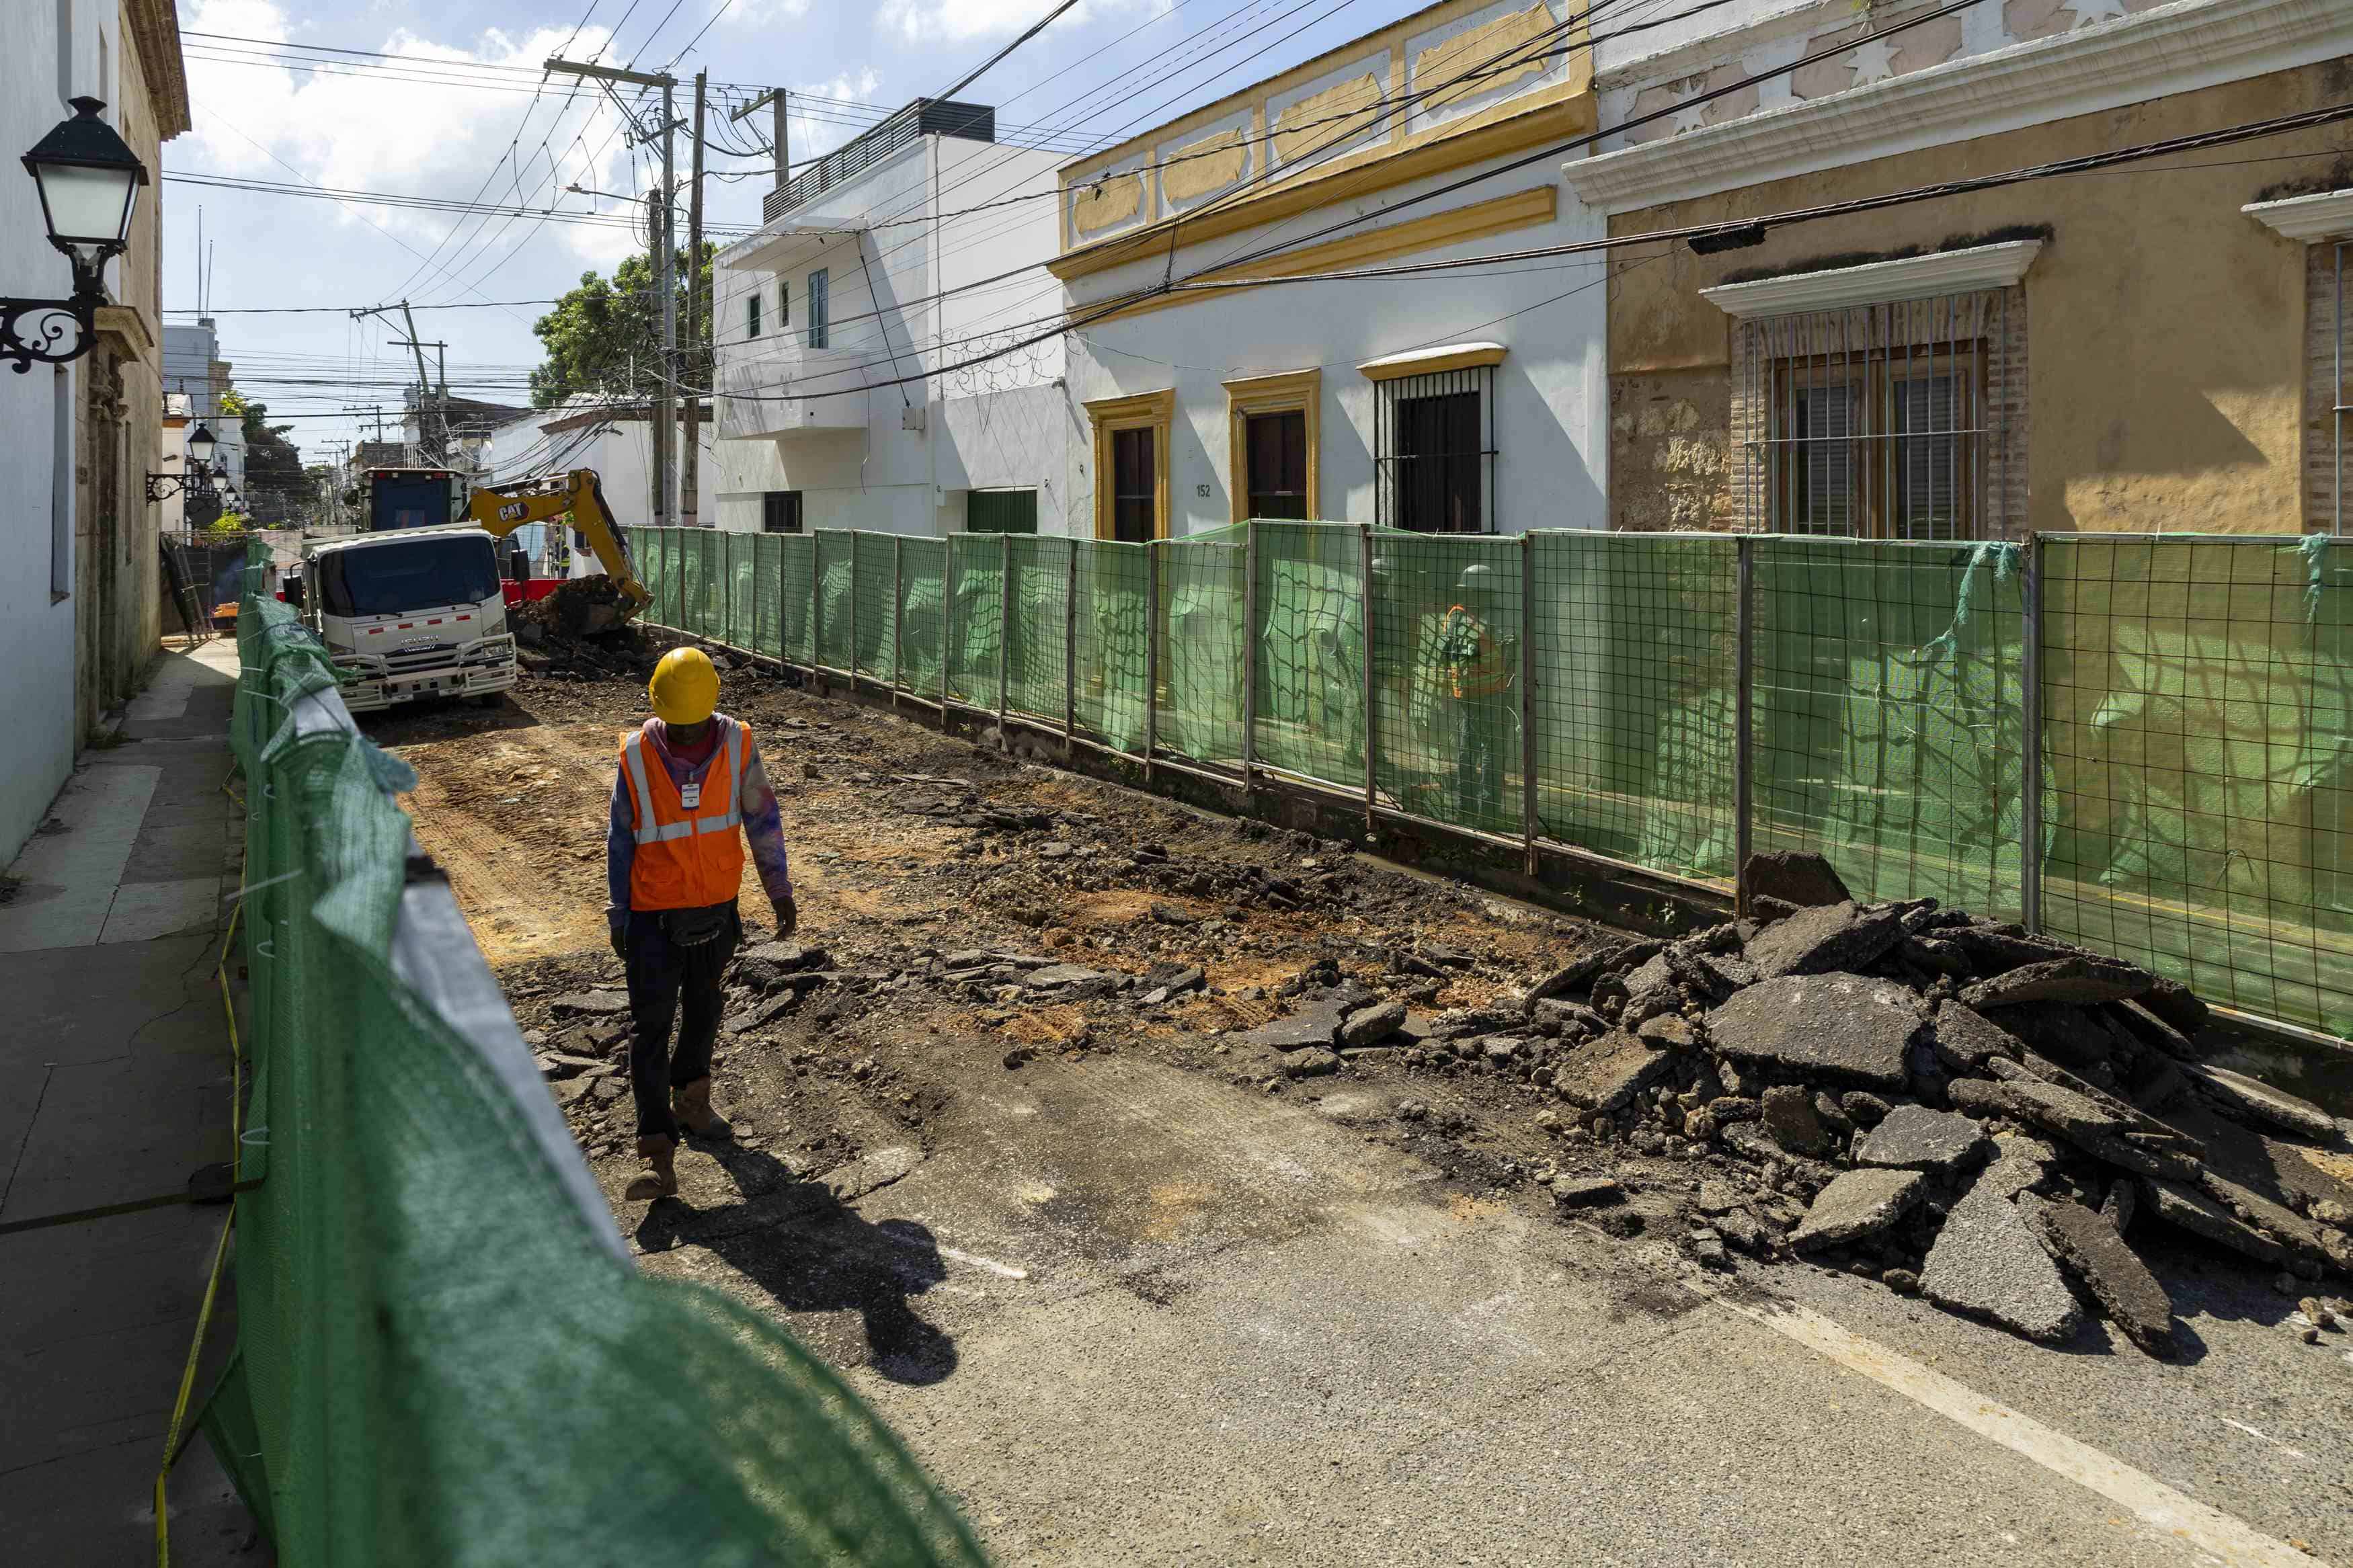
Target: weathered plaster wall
point(2167, 331)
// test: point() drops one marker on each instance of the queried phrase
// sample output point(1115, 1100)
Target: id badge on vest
point(691, 795)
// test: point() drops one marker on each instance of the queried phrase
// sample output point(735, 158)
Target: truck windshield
point(416, 574)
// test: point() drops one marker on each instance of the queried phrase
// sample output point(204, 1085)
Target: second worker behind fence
point(1479, 670)
point(687, 779)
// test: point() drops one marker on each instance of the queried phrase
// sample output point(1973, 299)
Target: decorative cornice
point(127, 326)
point(2179, 48)
point(156, 29)
point(2322, 216)
point(1879, 282)
point(1430, 362)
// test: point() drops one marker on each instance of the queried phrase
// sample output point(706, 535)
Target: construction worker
point(688, 777)
point(1478, 676)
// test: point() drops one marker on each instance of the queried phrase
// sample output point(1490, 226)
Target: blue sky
point(384, 126)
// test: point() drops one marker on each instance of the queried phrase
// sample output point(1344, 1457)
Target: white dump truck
point(414, 611)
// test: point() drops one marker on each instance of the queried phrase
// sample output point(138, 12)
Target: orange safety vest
point(1484, 673)
point(688, 856)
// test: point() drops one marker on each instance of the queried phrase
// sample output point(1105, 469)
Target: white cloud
point(762, 13)
point(373, 131)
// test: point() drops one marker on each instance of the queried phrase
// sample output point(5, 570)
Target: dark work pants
point(669, 983)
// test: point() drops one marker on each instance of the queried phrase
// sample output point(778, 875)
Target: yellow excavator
point(499, 512)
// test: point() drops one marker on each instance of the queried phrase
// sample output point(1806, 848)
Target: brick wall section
point(2323, 332)
point(1996, 318)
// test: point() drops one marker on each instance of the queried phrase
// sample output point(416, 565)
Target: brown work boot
point(660, 1178)
point(691, 1103)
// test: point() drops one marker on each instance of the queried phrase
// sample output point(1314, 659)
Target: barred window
point(1434, 451)
point(2334, 346)
point(1883, 421)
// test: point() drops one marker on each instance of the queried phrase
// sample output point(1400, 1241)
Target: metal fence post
point(1250, 651)
point(1069, 646)
point(1528, 701)
point(1364, 617)
point(2030, 860)
point(898, 615)
point(1744, 615)
point(1151, 655)
point(1004, 629)
point(852, 661)
point(947, 618)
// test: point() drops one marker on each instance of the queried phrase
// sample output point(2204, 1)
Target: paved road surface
point(1129, 1315)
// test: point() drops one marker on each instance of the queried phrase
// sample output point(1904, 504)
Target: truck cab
point(411, 611)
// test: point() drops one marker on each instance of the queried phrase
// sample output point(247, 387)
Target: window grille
point(821, 308)
point(752, 314)
point(780, 512)
point(1434, 451)
point(1879, 421)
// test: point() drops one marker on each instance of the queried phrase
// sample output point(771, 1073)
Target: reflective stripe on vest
point(1484, 673)
point(649, 830)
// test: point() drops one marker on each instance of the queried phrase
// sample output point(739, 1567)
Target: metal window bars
point(1878, 421)
point(1434, 452)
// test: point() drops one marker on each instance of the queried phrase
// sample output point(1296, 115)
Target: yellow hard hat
point(684, 688)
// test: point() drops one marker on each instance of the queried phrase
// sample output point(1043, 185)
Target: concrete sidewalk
point(114, 1086)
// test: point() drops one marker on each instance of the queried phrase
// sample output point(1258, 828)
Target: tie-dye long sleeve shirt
point(763, 827)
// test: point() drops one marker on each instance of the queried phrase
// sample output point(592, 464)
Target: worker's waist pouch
point(697, 928)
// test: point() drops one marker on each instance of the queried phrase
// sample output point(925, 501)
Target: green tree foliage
point(276, 487)
point(603, 338)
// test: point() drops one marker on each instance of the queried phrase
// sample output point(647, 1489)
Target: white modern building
point(194, 370)
point(843, 326)
point(1214, 388)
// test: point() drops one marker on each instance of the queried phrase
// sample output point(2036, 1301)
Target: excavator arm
point(500, 512)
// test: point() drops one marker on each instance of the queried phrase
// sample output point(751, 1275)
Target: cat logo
point(512, 512)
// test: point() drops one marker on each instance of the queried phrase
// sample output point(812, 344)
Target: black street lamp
point(200, 442)
point(88, 179)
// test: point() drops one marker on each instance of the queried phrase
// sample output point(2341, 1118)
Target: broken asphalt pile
point(1939, 1101)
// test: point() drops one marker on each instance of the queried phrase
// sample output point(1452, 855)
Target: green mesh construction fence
point(742, 589)
point(1114, 632)
point(1635, 697)
point(876, 588)
point(767, 595)
point(975, 616)
point(445, 1353)
point(836, 598)
point(922, 568)
point(1203, 638)
point(1036, 657)
point(2194, 743)
point(799, 553)
point(1309, 617)
point(1446, 678)
point(1888, 685)
point(2199, 763)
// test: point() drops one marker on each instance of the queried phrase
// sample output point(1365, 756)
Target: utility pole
point(665, 431)
point(690, 461)
point(774, 98)
point(424, 391)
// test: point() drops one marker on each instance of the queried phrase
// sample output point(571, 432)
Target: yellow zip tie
point(187, 1383)
point(171, 1444)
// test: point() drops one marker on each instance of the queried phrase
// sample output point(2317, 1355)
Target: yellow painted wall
point(2164, 354)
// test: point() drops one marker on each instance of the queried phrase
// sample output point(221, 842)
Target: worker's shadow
point(812, 1253)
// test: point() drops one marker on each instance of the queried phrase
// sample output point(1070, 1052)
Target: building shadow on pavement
point(811, 1253)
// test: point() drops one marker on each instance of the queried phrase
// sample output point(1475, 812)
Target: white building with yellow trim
point(1221, 371)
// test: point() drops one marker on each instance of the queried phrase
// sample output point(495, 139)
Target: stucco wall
point(1550, 419)
point(2166, 331)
